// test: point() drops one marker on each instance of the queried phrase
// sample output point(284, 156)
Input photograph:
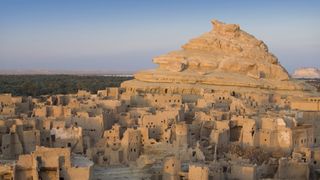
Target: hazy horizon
point(126, 35)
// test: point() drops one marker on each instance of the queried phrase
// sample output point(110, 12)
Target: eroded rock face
point(227, 56)
point(226, 48)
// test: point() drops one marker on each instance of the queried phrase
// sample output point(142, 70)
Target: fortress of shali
point(222, 107)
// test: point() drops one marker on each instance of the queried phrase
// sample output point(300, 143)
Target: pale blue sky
point(125, 35)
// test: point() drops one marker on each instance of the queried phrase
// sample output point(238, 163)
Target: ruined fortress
point(222, 107)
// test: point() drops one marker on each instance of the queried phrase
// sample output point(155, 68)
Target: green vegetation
point(36, 85)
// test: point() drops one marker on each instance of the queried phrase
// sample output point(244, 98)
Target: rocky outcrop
point(225, 56)
point(308, 73)
point(226, 49)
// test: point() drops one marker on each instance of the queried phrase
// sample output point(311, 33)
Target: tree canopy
point(36, 85)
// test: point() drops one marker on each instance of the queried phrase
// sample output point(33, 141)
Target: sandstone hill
point(225, 57)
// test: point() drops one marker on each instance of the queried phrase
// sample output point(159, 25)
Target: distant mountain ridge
point(307, 73)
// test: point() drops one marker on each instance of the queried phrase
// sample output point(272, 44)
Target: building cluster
point(207, 135)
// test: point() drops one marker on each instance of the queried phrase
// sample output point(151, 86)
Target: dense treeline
point(314, 82)
point(35, 85)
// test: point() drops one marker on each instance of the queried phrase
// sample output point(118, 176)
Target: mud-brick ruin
point(222, 107)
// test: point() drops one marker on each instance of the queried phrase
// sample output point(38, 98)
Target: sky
point(124, 35)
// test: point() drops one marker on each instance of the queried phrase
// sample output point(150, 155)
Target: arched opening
point(233, 93)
